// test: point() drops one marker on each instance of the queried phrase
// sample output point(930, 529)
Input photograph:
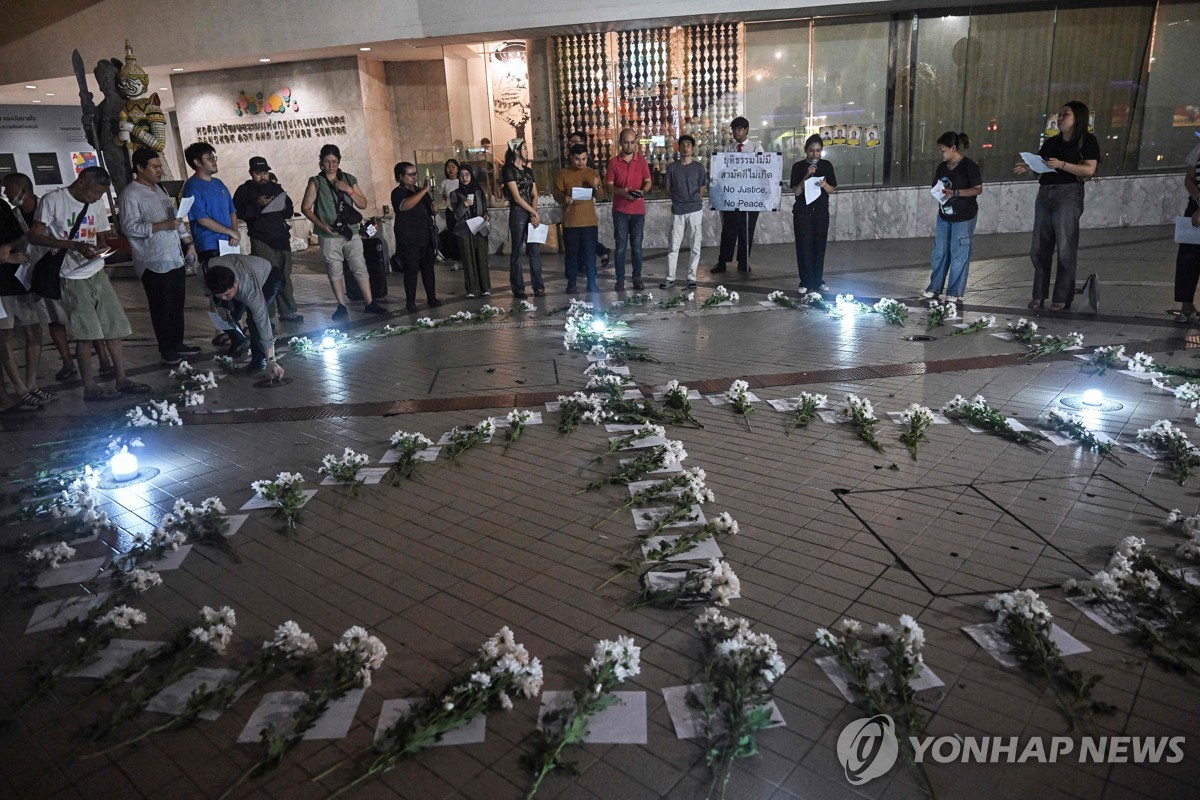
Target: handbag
point(347, 215)
point(47, 272)
point(10, 286)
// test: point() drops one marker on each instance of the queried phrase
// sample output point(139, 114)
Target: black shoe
point(691, 284)
point(410, 306)
point(620, 287)
point(340, 313)
point(718, 268)
point(434, 303)
point(171, 359)
point(291, 317)
point(638, 285)
point(374, 308)
point(221, 339)
point(187, 350)
point(539, 292)
point(667, 285)
point(571, 289)
point(238, 348)
point(519, 295)
point(742, 268)
point(256, 366)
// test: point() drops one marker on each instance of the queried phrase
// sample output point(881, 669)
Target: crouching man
point(252, 282)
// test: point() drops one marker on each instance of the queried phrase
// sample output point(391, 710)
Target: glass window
point(1171, 113)
point(777, 101)
point(943, 63)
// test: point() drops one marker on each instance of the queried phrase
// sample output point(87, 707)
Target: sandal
point(1058, 307)
point(1035, 305)
point(1184, 319)
point(66, 373)
point(107, 372)
point(130, 387)
point(30, 401)
point(100, 395)
point(43, 395)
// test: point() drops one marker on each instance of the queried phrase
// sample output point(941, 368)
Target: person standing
point(73, 219)
point(416, 233)
point(810, 221)
point(269, 231)
point(522, 193)
point(737, 227)
point(469, 201)
point(158, 241)
point(331, 202)
point(1187, 258)
point(687, 183)
point(24, 311)
point(213, 217)
point(1073, 155)
point(449, 184)
point(961, 183)
point(579, 137)
point(627, 180)
point(580, 224)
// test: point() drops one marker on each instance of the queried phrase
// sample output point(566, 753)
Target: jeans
point(581, 255)
point(1187, 273)
point(518, 232)
point(164, 295)
point(282, 261)
point(1056, 225)
point(951, 252)
point(680, 224)
point(812, 234)
point(734, 236)
point(627, 230)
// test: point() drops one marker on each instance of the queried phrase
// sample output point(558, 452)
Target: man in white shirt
point(94, 312)
point(737, 227)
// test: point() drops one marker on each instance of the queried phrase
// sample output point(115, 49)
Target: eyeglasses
point(408, 175)
point(330, 162)
point(209, 158)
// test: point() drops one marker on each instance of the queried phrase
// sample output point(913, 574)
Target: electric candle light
point(124, 465)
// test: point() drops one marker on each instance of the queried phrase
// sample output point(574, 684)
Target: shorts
point(56, 311)
point(23, 309)
point(338, 250)
point(93, 309)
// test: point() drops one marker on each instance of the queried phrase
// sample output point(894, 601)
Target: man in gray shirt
point(252, 282)
point(687, 183)
point(157, 241)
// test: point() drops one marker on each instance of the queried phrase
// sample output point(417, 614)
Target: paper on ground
point(1102, 616)
point(172, 559)
point(925, 681)
point(369, 475)
point(235, 523)
point(1144, 449)
point(428, 455)
point(445, 440)
point(116, 655)
point(689, 721)
point(58, 613)
point(833, 417)
point(1036, 163)
point(257, 502)
point(641, 486)
point(70, 572)
point(641, 444)
point(621, 723)
point(788, 404)
point(536, 234)
point(938, 417)
point(1016, 426)
point(617, 370)
point(703, 551)
point(173, 699)
point(992, 638)
point(185, 205)
point(471, 733)
point(277, 709)
point(502, 422)
point(1057, 439)
point(722, 400)
point(620, 427)
point(692, 395)
point(632, 394)
point(641, 522)
point(676, 467)
point(553, 406)
point(1141, 376)
point(1005, 335)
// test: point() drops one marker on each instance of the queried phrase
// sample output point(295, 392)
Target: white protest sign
point(746, 181)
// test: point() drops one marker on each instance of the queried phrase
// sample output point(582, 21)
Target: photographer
point(331, 202)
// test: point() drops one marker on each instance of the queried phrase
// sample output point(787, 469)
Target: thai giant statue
point(141, 122)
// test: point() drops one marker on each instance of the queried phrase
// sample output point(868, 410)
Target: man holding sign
point(737, 225)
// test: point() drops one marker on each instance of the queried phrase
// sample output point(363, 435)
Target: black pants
point(812, 234)
point(417, 261)
point(734, 237)
point(1187, 272)
point(165, 294)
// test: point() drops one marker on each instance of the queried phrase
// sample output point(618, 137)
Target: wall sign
point(45, 169)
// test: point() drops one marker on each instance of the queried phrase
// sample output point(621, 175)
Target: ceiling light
point(364, 49)
point(37, 101)
point(49, 94)
point(176, 69)
point(30, 86)
point(163, 89)
point(263, 60)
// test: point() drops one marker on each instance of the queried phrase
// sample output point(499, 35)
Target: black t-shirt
point(522, 177)
point(10, 228)
point(965, 175)
point(270, 229)
point(1086, 149)
point(824, 170)
point(412, 226)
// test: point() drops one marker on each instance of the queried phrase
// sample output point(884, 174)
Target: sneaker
point(954, 299)
point(928, 295)
point(803, 290)
point(340, 313)
point(410, 306)
point(434, 303)
point(187, 350)
point(638, 285)
point(374, 308)
point(667, 285)
point(691, 284)
point(539, 292)
point(171, 359)
point(825, 287)
point(486, 294)
point(620, 287)
point(239, 348)
point(470, 294)
point(519, 295)
point(292, 317)
point(717, 269)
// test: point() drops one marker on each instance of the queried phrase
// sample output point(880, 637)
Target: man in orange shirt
point(576, 188)
point(628, 179)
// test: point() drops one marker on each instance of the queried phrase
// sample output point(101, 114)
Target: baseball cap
point(259, 164)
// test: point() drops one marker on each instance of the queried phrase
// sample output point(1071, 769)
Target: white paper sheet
point(173, 699)
point(224, 248)
point(185, 205)
point(692, 395)
point(473, 732)
point(620, 427)
point(925, 681)
point(1186, 232)
point(1102, 616)
point(1036, 163)
point(236, 521)
point(936, 191)
point(722, 400)
point(643, 443)
point(703, 551)
point(277, 709)
point(58, 613)
point(370, 477)
point(642, 523)
point(938, 418)
point(475, 223)
point(219, 323)
point(676, 467)
point(70, 572)
point(428, 456)
point(689, 722)
point(788, 404)
point(172, 559)
point(276, 204)
point(1016, 426)
point(618, 370)
point(257, 502)
point(581, 193)
point(632, 394)
point(536, 234)
point(812, 189)
point(502, 422)
point(1144, 449)
point(445, 440)
point(1057, 439)
point(621, 723)
point(992, 638)
point(25, 274)
point(832, 417)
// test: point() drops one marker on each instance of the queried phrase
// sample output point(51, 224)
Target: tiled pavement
point(829, 528)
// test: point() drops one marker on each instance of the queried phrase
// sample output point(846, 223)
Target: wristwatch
point(955, 194)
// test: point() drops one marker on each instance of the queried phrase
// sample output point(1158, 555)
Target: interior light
point(1093, 397)
point(30, 86)
point(176, 69)
point(37, 101)
point(779, 54)
point(124, 465)
point(163, 89)
point(328, 343)
point(49, 94)
point(364, 49)
point(263, 60)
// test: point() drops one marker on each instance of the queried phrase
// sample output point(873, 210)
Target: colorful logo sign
point(279, 102)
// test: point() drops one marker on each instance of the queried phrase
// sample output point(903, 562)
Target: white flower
point(481, 679)
point(139, 580)
point(725, 524)
point(850, 626)
point(362, 647)
point(410, 441)
point(122, 617)
point(1140, 363)
point(519, 416)
point(826, 639)
point(426, 322)
point(290, 640)
point(52, 556)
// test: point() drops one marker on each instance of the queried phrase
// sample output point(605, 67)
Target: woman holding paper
point(1187, 260)
point(522, 193)
point(1072, 157)
point(956, 183)
point(469, 204)
point(812, 183)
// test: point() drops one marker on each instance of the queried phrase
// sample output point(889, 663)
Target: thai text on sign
point(746, 181)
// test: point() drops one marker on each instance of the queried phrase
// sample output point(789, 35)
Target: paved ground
point(829, 528)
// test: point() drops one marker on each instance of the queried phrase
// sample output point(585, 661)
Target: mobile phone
point(638, 193)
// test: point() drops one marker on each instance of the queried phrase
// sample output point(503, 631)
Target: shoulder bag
point(47, 272)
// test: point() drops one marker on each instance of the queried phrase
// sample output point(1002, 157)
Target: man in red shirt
point(628, 179)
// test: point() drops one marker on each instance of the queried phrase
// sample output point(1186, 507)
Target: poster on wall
point(826, 135)
point(854, 139)
point(8, 164)
point(839, 134)
point(871, 133)
point(45, 169)
point(81, 161)
point(508, 91)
